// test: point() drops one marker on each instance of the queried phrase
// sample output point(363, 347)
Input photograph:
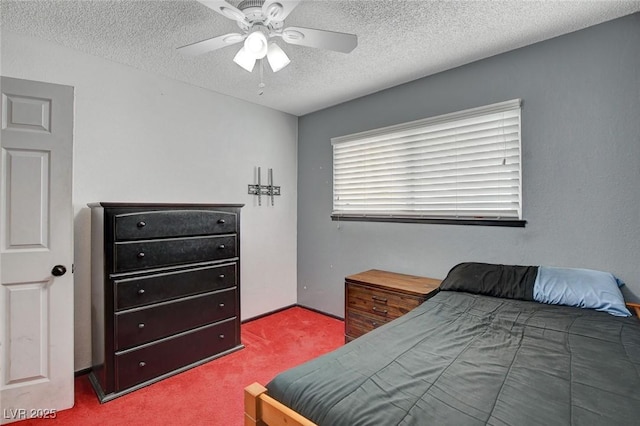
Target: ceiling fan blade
point(339, 42)
point(277, 10)
point(225, 9)
point(210, 44)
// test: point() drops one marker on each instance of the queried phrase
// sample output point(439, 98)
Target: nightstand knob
point(373, 323)
point(141, 224)
point(221, 246)
point(221, 305)
point(141, 291)
point(221, 276)
point(221, 221)
point(142, 363)
point(141, 325)
point(221, 336)
point(140, 255)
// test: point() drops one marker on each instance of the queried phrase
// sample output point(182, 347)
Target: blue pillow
point(583, 288)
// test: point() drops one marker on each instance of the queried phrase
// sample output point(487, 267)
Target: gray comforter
point(463, 359)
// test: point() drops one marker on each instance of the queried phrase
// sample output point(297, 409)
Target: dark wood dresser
point(373, 298)
point(165, 292)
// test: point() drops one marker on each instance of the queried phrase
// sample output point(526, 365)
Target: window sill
point(513, 223)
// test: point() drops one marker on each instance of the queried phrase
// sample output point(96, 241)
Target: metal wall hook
point(270, 190)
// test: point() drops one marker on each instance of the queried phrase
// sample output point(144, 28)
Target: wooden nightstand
point(374, 298)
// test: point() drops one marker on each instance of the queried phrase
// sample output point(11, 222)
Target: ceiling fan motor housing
point(252, 10)
point(255, 15)
point(250, 3)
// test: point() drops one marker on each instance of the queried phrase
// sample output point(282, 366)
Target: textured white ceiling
point(398, 40)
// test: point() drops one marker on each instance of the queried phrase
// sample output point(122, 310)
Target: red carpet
point(212, 393)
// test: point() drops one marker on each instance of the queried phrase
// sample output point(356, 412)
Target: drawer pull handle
point(221, 221)
point(141, 224)
point(221, 336)
point(142, 363)
point(141, 291)
point(373, 323)
point(141, 325)
point(382, 311)
point(140, 255)
point(379, 299)
point(221, 305)
point(221, 246)
point(221, 276)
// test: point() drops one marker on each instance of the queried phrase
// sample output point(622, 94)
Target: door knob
point(58, 271)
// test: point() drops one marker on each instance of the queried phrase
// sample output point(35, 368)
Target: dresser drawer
point(382, 304)
point(358, 323)
point(158, 253)
point(154, 322)
point(139, 365)
point(173, 223)
point(133, 292)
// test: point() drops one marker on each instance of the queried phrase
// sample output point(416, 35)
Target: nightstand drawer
point(379, 302)
point(154, 322)
point(358, 323)
point(133, 292)
point(139, 365)
point(171, 252)
point(173, 223)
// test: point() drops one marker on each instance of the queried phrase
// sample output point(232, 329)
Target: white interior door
point(36, 234)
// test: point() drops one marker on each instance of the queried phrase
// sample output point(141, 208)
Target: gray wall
point(581, 167)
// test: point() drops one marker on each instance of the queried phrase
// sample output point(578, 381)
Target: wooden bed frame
point(262, 410)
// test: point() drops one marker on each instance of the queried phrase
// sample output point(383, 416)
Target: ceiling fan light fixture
point(245, 59)
point(277, 58)
point(256, 44)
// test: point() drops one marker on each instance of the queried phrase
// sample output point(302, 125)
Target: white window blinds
point(460, 165)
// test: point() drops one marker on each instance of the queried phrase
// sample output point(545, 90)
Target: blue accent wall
point(581, 167)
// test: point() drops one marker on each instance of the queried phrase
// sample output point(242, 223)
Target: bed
point(481, 351)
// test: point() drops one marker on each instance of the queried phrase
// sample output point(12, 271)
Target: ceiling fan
point(261, 21)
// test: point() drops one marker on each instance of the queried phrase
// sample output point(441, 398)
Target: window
point(462, 167)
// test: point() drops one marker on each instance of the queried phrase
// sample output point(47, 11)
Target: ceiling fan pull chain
point(261, 86)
